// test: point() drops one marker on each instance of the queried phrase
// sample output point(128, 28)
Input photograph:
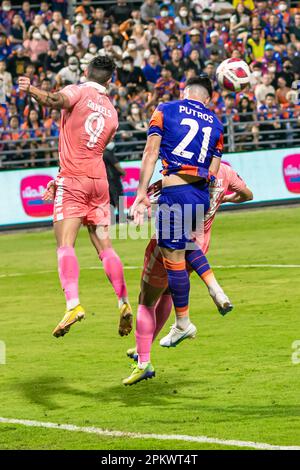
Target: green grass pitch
point(236, 380)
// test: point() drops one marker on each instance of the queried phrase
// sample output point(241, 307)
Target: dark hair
point(100, 69)
point(202, 81)
point(270, 95)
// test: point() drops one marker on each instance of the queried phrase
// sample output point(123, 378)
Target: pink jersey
point(227, 180)
point(85, 130)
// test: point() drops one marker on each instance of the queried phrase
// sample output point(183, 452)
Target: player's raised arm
point(240, 191)
point(45, 98)
point(149, 160)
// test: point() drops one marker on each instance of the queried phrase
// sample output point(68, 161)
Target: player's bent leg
point(163, 311)
point(68, 268)
point(114, 271)
point(200, 265)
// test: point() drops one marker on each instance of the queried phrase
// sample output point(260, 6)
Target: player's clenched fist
point(24, 83)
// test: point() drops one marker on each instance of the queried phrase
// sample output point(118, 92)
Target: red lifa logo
point(32, 189)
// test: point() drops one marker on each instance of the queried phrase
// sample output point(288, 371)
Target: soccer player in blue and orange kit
point(188, 137)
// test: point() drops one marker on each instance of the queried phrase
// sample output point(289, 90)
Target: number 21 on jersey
point(180, 150)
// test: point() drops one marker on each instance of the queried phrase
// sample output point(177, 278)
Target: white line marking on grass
point(217, 266)
point(134, 435)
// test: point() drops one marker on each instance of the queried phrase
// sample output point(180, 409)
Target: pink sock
point(114, 271)
point(163, 309)
point(68, 270)
point(145, 327)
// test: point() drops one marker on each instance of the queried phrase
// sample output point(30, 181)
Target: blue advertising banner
point(272, 175)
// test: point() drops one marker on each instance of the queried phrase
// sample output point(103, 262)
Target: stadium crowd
point(157, 47)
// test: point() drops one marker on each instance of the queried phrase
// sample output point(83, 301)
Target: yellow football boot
point(126, 319)
point(71, 317)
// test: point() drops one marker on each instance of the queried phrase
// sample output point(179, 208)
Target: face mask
point(135, 111)
point(69, 51)
point(163, 14)
point(73, 67)
point(257, 73)
point(37, 36)
point(83, 67)
point(127, 67)
point(93, 50)
point(206, 17)
point(79, 18)
point(272, 69)
point(282, 7)
point(6, 8)
point(131, 47)
point(122, 93)
point(183, 13)
point(56, 37)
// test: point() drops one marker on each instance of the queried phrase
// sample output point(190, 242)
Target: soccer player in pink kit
point(89, 122)
point(155, 302)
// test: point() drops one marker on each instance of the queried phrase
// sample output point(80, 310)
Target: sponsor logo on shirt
point(32, 189)
point(291, 172)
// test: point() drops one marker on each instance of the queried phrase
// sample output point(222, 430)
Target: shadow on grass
point(50, 392)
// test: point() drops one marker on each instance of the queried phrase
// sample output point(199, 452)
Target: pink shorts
point(84, 197)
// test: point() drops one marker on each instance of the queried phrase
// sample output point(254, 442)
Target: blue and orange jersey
point(191, 136)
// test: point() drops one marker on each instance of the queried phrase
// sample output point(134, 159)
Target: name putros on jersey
point(195, 113)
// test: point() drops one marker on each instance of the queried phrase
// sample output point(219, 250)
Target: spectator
point(5, 50)
point(97, 36)
point(118, 39)
point(54, 62)
point(194, 61)
point(182, 20)
point(17, 63)
point(45, 12)
point(78, 39)
point(275, 31)
point(268, 115)
point(152, 32)
point(17, 31)
point(256, 45)
point(176, 65)
point(282, 91)
point(6, 83)
point(129, 75)
point(115, 52)
point(38, 23)
point(294, 29)
point(216, 47)
point(165, 22)
point(70, 74)
point(16, 140)
point(35, 130)
point(166, 85)
point(152, 69)
point(263, 89)
point(136, 118)
point(6, 16)
point(149, 10)
point(194, 43)
point(58, 24)
point(119, 12)
point(132, 51)
point(36, 46)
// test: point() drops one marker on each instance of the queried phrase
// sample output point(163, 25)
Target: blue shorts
point(181, 211)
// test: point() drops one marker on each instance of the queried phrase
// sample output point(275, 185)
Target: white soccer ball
point(233, 74)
